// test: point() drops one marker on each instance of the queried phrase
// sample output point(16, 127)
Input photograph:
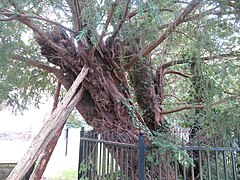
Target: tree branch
point(135, 12)
point(42, 66)
point(106, 24)
point(39, 33)
point(165, 35)
point(172, 95)
point(57, 72)
point(182, 61)
point(56, 97)
point(208, 12)
point(172, 27)
point(11, 18)
point(177, 72)
point(115, 33)
point(14, 16)
point(186, 36)
point(109, 18)
point(76, 10)
point(183, 108)
point(197, 16)
point(200, 106)
point(25, 20)
point(63, 79)
point(37, 64)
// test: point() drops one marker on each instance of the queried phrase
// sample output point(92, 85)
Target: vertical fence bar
point(209, 165)
point(80, 160)
point(108, 155)
point(112, 157)
point(100, 157)
point(168, 164)
point(225, 162)
point(66, 138)
point(184, 169)
point(87, 156)
point(200, 160)
point(104, 157)
point(159, 166)
point(116, 159)
point(141, 157)
point(192, 157)
point(184, 164)
point(92, 156)
point(200, 165)
point(126, 155)
point(121, 163)
point(216, 159)
point(95, 154)
point(151, 167)
point(90, 150)
point(176, 169)
point(233, 164)
point(84, 155)
point(132, 160)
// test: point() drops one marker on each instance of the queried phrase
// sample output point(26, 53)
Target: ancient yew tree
point(152, 64)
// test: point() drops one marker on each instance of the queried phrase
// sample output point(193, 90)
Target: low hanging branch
point(178, 73)
point(200, 106)
point(50, 128)
point(36, 64)
point(13, 16)
point(207, 58)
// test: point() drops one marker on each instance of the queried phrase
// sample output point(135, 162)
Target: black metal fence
point(116, 156)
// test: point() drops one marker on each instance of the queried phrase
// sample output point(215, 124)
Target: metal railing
point(116, 156)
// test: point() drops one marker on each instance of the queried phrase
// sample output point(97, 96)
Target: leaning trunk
point(50, 129)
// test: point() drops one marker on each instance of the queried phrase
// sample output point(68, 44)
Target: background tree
point(152, 64)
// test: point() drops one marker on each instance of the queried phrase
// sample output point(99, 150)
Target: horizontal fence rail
point(118, 156)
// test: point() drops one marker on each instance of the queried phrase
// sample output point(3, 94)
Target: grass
point(68, 174)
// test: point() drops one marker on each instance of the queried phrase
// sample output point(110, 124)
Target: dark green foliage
point(20, 84)
point(75, 121)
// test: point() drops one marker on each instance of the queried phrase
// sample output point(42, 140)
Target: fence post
point(141, 157)
point(66, 138)
point(80, 160)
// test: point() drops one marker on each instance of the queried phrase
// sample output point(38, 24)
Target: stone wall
point(21, 136)
point(5, 169)
point(13, 147)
